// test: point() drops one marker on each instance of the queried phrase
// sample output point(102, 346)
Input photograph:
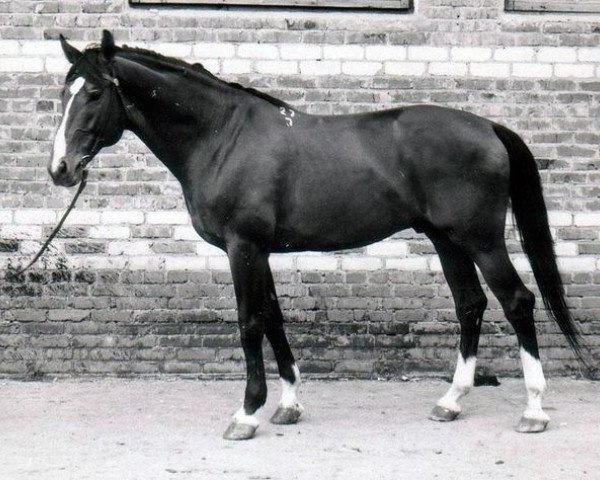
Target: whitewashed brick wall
point(288, 59)
point(129, 260)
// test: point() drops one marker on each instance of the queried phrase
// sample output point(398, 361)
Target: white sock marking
point(60, 140)
point(463, 379)
point(289, 390)
point(535, 383)
point(242, 417)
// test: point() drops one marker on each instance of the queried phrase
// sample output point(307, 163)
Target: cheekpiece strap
point(113, 80)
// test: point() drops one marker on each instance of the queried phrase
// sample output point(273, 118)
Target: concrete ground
point(171, 429)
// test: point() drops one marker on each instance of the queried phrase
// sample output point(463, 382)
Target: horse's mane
point(176, 64)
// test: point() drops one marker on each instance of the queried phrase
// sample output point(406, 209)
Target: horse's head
point(93, 113)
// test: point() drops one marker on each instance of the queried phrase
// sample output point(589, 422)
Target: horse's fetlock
point(464, 389)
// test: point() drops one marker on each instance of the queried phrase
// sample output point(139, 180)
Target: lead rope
point(46, 244)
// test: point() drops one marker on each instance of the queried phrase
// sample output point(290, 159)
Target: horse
point(259, 176)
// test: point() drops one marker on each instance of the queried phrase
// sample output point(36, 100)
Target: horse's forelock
point(87, 66)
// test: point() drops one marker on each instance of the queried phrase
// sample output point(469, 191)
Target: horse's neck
point(174, 115)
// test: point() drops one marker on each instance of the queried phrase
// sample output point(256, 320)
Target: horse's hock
point(129, 288)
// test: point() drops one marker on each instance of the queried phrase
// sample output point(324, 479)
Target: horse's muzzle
point(66, 176)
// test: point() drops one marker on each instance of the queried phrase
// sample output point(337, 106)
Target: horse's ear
point(107, 47)
point(70, 51)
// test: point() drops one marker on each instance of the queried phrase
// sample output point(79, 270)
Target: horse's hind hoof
point(531, 425)
point(239, 431)
point(287, 415)
point(441, 414)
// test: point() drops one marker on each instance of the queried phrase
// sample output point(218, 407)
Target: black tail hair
point(529, 210)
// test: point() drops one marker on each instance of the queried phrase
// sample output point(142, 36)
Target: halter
point(130, 110)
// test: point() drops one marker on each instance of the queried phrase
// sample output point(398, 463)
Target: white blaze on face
point(60, 141)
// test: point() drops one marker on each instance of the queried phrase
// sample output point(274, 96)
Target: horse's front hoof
point(531, 425)
point(442, 414)
point(287, 415)
point(239, 431)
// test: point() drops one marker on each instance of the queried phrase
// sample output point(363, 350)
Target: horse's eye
point(95, 93)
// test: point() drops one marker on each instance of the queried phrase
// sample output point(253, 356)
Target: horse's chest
point(205, 223)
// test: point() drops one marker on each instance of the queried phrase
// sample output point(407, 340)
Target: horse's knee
point(252, 328)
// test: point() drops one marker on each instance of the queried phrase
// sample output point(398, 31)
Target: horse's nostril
point(62, 167)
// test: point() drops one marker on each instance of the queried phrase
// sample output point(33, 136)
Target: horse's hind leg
point(289, 409)
point(249, 268)
point(470, 302)
point(517, 303)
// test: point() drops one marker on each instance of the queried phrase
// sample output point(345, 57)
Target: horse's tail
point(529, 210)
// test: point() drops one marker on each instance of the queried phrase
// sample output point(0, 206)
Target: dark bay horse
point(259, 176)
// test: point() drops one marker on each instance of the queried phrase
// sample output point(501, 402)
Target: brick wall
point(128, 288)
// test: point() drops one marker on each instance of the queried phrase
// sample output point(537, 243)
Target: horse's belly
point(340, 225)
point(343, 207)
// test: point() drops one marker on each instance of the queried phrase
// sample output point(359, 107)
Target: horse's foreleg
point(249, 267)
point(470, 302)
point(289, 409)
